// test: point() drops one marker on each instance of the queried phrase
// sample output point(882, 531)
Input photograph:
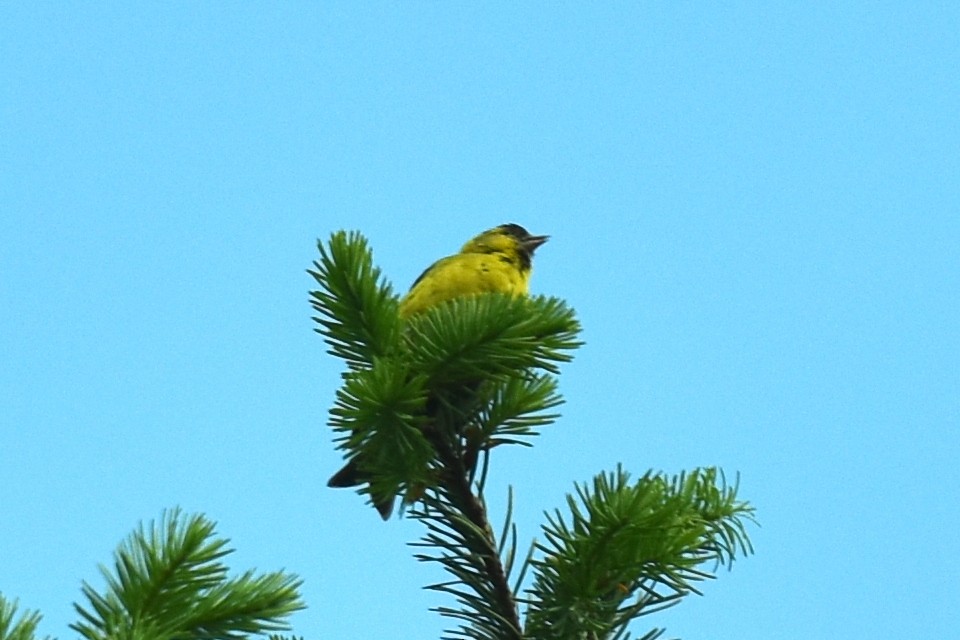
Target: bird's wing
point(428, 270)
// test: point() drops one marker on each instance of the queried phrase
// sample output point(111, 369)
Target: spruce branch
point(378, 421)
point(357, 307)
point(492, 346)
point(492, 336)
point(13, 628)
point(168, 582)
point(630, 550)
point(516, 409)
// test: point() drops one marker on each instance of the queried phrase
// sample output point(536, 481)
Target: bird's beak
point(530, 243)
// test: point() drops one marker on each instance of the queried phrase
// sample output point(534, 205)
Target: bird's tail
point(351, 476)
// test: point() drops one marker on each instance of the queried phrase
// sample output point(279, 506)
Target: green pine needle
point(518, 408)
point(357, 307)
point(168, 582)
point(492, 335)
point(631, 549)
point(11, 628)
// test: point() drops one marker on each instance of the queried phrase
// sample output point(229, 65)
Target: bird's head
point(507, 238)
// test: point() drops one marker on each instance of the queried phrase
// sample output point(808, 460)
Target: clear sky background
point(755, 210)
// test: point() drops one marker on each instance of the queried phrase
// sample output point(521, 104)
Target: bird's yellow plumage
point(498, 260)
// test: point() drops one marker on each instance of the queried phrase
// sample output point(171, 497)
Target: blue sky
point(754, 208)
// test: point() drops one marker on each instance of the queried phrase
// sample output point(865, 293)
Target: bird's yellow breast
point(465, 274)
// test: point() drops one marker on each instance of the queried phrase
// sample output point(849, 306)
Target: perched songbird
point(496, 261)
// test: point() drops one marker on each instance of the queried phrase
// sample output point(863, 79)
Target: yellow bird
point(498, 260)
